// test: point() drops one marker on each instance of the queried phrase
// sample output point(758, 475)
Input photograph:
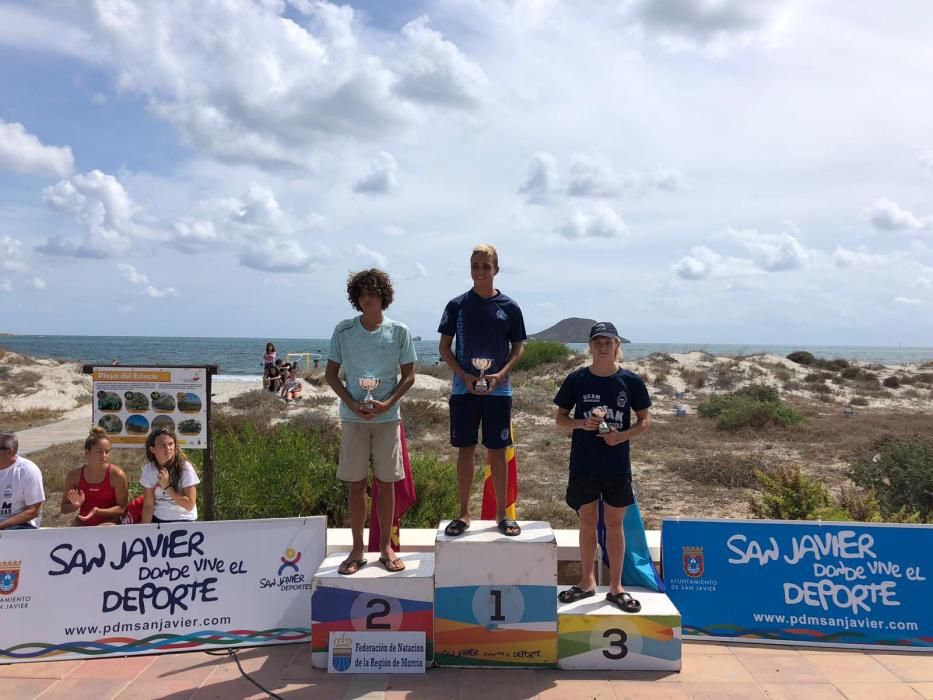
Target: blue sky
point(694, 170)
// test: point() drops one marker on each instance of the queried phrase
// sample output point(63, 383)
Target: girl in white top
point(291, 389)
point(169, 481)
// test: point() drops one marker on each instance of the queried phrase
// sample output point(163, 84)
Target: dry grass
point(439, 370)
point(423, 417)
point(13, 421)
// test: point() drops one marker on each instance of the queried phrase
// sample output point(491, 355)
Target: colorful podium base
point(496, 597)
point(372, 599)
point(593, 634)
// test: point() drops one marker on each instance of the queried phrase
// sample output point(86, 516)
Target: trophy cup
point(600, 412)
point(368, 383)
point(482, 364)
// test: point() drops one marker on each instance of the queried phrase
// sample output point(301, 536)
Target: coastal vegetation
point(833, 446)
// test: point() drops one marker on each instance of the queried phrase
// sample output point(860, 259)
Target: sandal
point(392, 565)
point(624, 601)
point(509, 528)
point(348, 567)
point(455, 528)
point(573, 594)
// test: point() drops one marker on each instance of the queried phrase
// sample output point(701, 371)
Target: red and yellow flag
point(404, 498)
point(511, 490)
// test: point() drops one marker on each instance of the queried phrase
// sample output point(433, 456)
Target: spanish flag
point(404, 499)
point(511, 490)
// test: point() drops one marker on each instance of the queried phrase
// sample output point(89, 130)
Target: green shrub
point(789, 494)
point(756, 406)
point(900, 473)
point(722, 469)
point(539, 352)
point(436, 488)
point(801, 357)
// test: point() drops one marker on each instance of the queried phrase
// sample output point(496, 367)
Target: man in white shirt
point(21, 492)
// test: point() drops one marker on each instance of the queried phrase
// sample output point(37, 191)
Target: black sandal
point(624, 601)
point(455, 528)
point(573, 594)
point(506, 525)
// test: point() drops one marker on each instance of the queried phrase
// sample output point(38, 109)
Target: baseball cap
point(603, 328)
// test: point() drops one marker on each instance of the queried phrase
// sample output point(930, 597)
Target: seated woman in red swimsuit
point(98, 491)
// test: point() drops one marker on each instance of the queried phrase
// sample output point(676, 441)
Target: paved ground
point(74, 425)
point(714, 671)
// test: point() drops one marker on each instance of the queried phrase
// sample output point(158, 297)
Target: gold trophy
point(482, 364)
point(600, 412)
point(368, 383)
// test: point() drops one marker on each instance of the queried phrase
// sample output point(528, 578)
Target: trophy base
point(481, 386)
point(367, 406)
point(602, 429)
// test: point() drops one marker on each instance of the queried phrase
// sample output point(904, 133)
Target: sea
point(242, 357)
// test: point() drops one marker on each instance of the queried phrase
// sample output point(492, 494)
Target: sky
point(708, 171)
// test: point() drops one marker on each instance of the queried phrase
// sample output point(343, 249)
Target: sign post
point(130, 401)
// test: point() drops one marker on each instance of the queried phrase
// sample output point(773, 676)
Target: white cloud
point(668, 179)
point(6, 286)
point(890, 216)
point(682, 24)
point(431, 69)
point(378, 259)
point(848, 258)
point(277, 256)
point(704, 263)
point(922, 283)
point(393, 230)
point(543, 180)
point(22, 152)
point(38, 283)
point(772, 252)
point(12, 258)
point(591, 175)
point(908, 301)
point(602, 222)
point(24, 29)
point(131, 274)
point(100, 203)
point(159, 293)
point(382, 178)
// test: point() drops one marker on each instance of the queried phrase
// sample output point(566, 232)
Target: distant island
point(416, 338)
point(569, 330)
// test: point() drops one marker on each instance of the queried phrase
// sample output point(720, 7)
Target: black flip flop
point(348, 567)
point(624, 602)
point(573, 594)
point(455, 528)
point(506, 525)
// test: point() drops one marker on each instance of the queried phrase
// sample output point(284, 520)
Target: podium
point(593, 634)
point(496, 597)
point(372, 599)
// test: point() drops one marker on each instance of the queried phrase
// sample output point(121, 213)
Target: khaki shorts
point(361, 441)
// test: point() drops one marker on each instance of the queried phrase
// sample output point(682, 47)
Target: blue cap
point(603, 328)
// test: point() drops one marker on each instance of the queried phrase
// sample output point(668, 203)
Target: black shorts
point(615, 488)
point(467, 411)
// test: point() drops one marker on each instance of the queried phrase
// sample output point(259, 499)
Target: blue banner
point(799, 582)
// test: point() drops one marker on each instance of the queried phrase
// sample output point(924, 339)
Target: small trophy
point(368, 383)
point(482, 364)
point(600, 412)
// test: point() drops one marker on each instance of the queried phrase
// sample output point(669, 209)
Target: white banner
point(131, 402)
point(111, 591)
point(376, 652)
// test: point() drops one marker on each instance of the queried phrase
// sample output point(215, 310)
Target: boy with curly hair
point(374, 347)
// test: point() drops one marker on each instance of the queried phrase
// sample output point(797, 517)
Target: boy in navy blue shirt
point(603, 396)
point(487, 325)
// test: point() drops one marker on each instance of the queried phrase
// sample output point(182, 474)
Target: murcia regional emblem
point(342, 655)
point(9, 576)
point(693, 561)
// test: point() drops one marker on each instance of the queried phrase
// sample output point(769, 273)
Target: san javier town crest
point(9, 576)
point(693, 561)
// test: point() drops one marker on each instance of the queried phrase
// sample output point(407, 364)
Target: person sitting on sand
point(292, 387)
point(98, 491)
point(169, 481)
point(273, 379)
point(374, 347)
point(603, 396)
point(488, 326)
point(21, 491)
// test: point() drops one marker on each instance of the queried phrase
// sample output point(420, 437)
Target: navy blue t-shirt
point(483, 328)
point(620, 393)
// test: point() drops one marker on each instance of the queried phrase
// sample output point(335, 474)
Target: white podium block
point(496, 597)
point(373, 600)
point(594, 634)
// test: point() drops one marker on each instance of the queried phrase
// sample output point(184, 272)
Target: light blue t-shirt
point(379, 353)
